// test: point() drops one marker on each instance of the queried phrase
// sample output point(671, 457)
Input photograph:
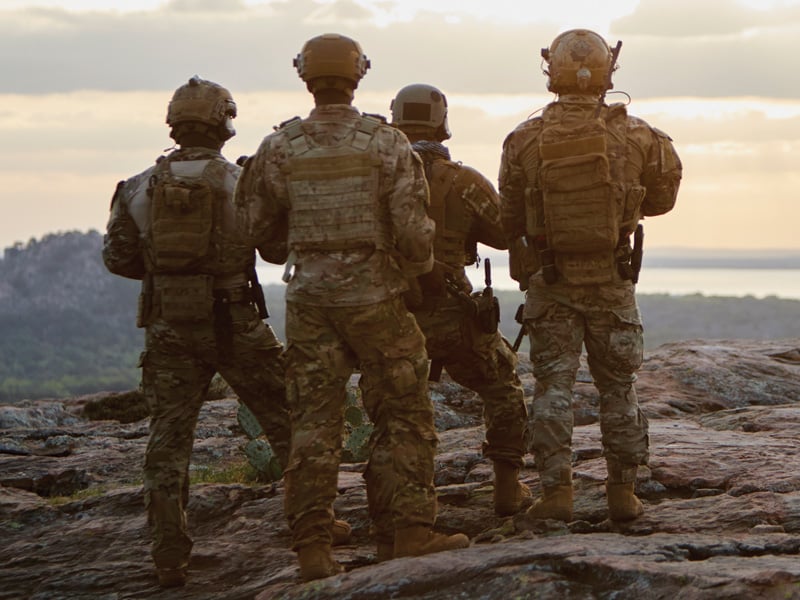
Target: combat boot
point(340, 533)
point(384, 551)
point(623, 505)
point(316, 561)
point(556, 500)
point(419, 540)
point(171, 577)
point(510, 494)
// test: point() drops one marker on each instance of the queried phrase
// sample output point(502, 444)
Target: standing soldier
point(574, 184)
point(173, 227)
point(460, 328)
point(345, 195)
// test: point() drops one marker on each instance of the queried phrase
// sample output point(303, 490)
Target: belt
point(233, 295)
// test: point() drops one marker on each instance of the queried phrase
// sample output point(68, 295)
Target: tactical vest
point(182, 242)
point(447, 185)
point(334, 191)
point(579, 208)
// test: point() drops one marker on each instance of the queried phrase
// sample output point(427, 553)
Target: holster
point(144, 307)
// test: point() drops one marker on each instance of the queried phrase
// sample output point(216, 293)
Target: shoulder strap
point(365, 131)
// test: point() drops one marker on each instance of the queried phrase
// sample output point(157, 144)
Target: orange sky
point(84, 98)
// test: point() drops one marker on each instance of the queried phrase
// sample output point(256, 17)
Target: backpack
point(578, 200)
point(182, 217)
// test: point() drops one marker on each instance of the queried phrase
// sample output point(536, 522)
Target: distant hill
point(67, 325)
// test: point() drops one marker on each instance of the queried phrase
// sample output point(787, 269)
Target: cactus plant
point(258, 451)
point(358, 429)
point(263, 459)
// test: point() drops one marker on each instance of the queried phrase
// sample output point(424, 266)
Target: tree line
point(67, 326)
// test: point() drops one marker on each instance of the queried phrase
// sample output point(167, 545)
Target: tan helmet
point(421, 105)
point(202, 101)
point(578, 61)
point(331, 57)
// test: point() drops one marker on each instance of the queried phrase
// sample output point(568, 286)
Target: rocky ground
point(722, 498)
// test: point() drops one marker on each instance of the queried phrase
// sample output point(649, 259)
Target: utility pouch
point(182, 218)
point(185, 298)
point(488, 312)
point(523, 261)
point(579, 207)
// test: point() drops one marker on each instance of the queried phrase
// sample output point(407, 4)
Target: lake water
point(759, 283)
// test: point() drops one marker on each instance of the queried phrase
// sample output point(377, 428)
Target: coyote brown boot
point(384, 550)
point(556, 500)
point(623, 505)
point(340, 533)
point(510, 494)
point(316, 561)
point(555, 503)
point(419, 540)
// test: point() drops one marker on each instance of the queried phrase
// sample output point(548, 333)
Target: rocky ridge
point(722, 499)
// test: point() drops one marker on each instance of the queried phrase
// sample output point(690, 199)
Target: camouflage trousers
point(486, 364)
point(178, 364)
point(606, 320)
point(324, 346)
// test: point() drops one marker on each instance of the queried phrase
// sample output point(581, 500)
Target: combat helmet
point(202, 101)
point(420, 105)
point(578, 61)
point(332, 61)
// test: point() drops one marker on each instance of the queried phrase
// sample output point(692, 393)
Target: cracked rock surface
point(721, 496)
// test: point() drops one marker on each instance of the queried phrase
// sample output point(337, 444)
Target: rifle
point(257, 291)
point(521, 335)
point(488, 307)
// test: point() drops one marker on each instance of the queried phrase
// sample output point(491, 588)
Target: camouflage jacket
point(352, 277)
point(647, 159)
point(465, 207)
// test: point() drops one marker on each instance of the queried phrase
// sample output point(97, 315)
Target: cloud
point(68, 150)
point(709, 18)
point(214, 6)
point(249, 48)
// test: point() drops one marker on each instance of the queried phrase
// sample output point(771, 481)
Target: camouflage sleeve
point(261, 214)
point(122, 246)
point(408, 201)
point(662, 175)
point(512, 184)
point(483, 204)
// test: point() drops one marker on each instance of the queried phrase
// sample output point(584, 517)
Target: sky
point(86, 83)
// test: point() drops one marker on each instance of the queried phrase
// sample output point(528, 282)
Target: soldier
point(345, 196)
point(574, 184)
point(460, 328)
point(173, 227)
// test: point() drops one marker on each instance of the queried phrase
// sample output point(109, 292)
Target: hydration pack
point(579, 205)
point(182, 216)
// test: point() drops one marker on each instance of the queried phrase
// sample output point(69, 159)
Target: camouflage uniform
point(180, 358)
point(563, 315)
point(466, 209)
point(344, 311)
